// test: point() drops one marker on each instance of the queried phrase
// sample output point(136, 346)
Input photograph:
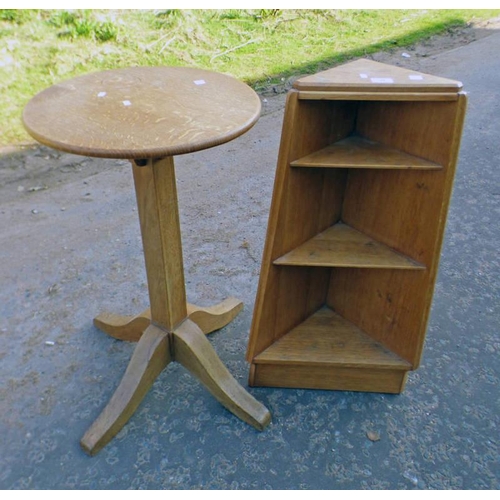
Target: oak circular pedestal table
point(148, 115)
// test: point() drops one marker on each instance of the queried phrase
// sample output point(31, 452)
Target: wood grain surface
point(359, 152)
point(325, 338)
point(142, 112)
point(343, 246)
point(366, 75)
point(357, 218)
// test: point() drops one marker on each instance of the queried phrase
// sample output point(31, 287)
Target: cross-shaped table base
point(171, 330)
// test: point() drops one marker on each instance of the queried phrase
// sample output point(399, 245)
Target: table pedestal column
point(171, 330)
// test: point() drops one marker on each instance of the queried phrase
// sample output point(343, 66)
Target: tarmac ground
point(70, 247)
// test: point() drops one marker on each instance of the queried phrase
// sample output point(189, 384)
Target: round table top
point(142, 112)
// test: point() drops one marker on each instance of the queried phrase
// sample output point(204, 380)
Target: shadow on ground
point(70, 248)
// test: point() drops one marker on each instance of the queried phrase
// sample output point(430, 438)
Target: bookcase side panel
point(264, 317)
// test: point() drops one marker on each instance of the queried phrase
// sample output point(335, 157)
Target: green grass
point(261, 47)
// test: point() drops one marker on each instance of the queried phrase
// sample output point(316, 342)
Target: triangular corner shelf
point(343, 246)
point(358, 152)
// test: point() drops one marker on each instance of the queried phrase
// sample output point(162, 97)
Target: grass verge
point(41, 47)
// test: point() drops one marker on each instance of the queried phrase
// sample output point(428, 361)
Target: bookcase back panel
point(302, 291)
point(390, 306)
point(311, 203)
point(399, 208)
point(420, 128)
point(291, 296)
point(305, 204)
point(316, 124)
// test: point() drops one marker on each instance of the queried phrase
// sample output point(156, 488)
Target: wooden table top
point(366, 75)
point(142, 112)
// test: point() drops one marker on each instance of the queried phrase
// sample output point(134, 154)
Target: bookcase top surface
point(366, 75)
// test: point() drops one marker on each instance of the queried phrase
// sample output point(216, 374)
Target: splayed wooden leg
point(128, 328)
point(193, 350)
point(150, 357)
point(215, 317)
point(173, 330)
point(131, 328)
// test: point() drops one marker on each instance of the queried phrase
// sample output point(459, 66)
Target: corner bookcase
point(362, 188)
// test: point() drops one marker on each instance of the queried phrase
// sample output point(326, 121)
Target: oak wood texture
point(378, 96)
point(143, 112)
point(359, 152)
point(325, 338)
point(169, 314)
point(156, 193)
point(147, 115)
point(150, 357)
point(212, 318)
point(364, 75)
point(343, 246)
point(356, 224)
point(131, 328)
point(156, 348)
point(120, 327)
point(321, 377)
point(194, 351)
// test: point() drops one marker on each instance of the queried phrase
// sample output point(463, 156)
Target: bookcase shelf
point(325, 338)
point(358, 152)
point(327, 342)
point(343, 246)
point(363, 182)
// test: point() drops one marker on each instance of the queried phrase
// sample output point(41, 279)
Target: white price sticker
point(382, 80)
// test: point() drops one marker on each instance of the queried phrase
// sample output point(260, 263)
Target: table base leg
point(193, 351)
point(208, 319)
point(150, 357)
point(128, 328)
point(156, 348)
